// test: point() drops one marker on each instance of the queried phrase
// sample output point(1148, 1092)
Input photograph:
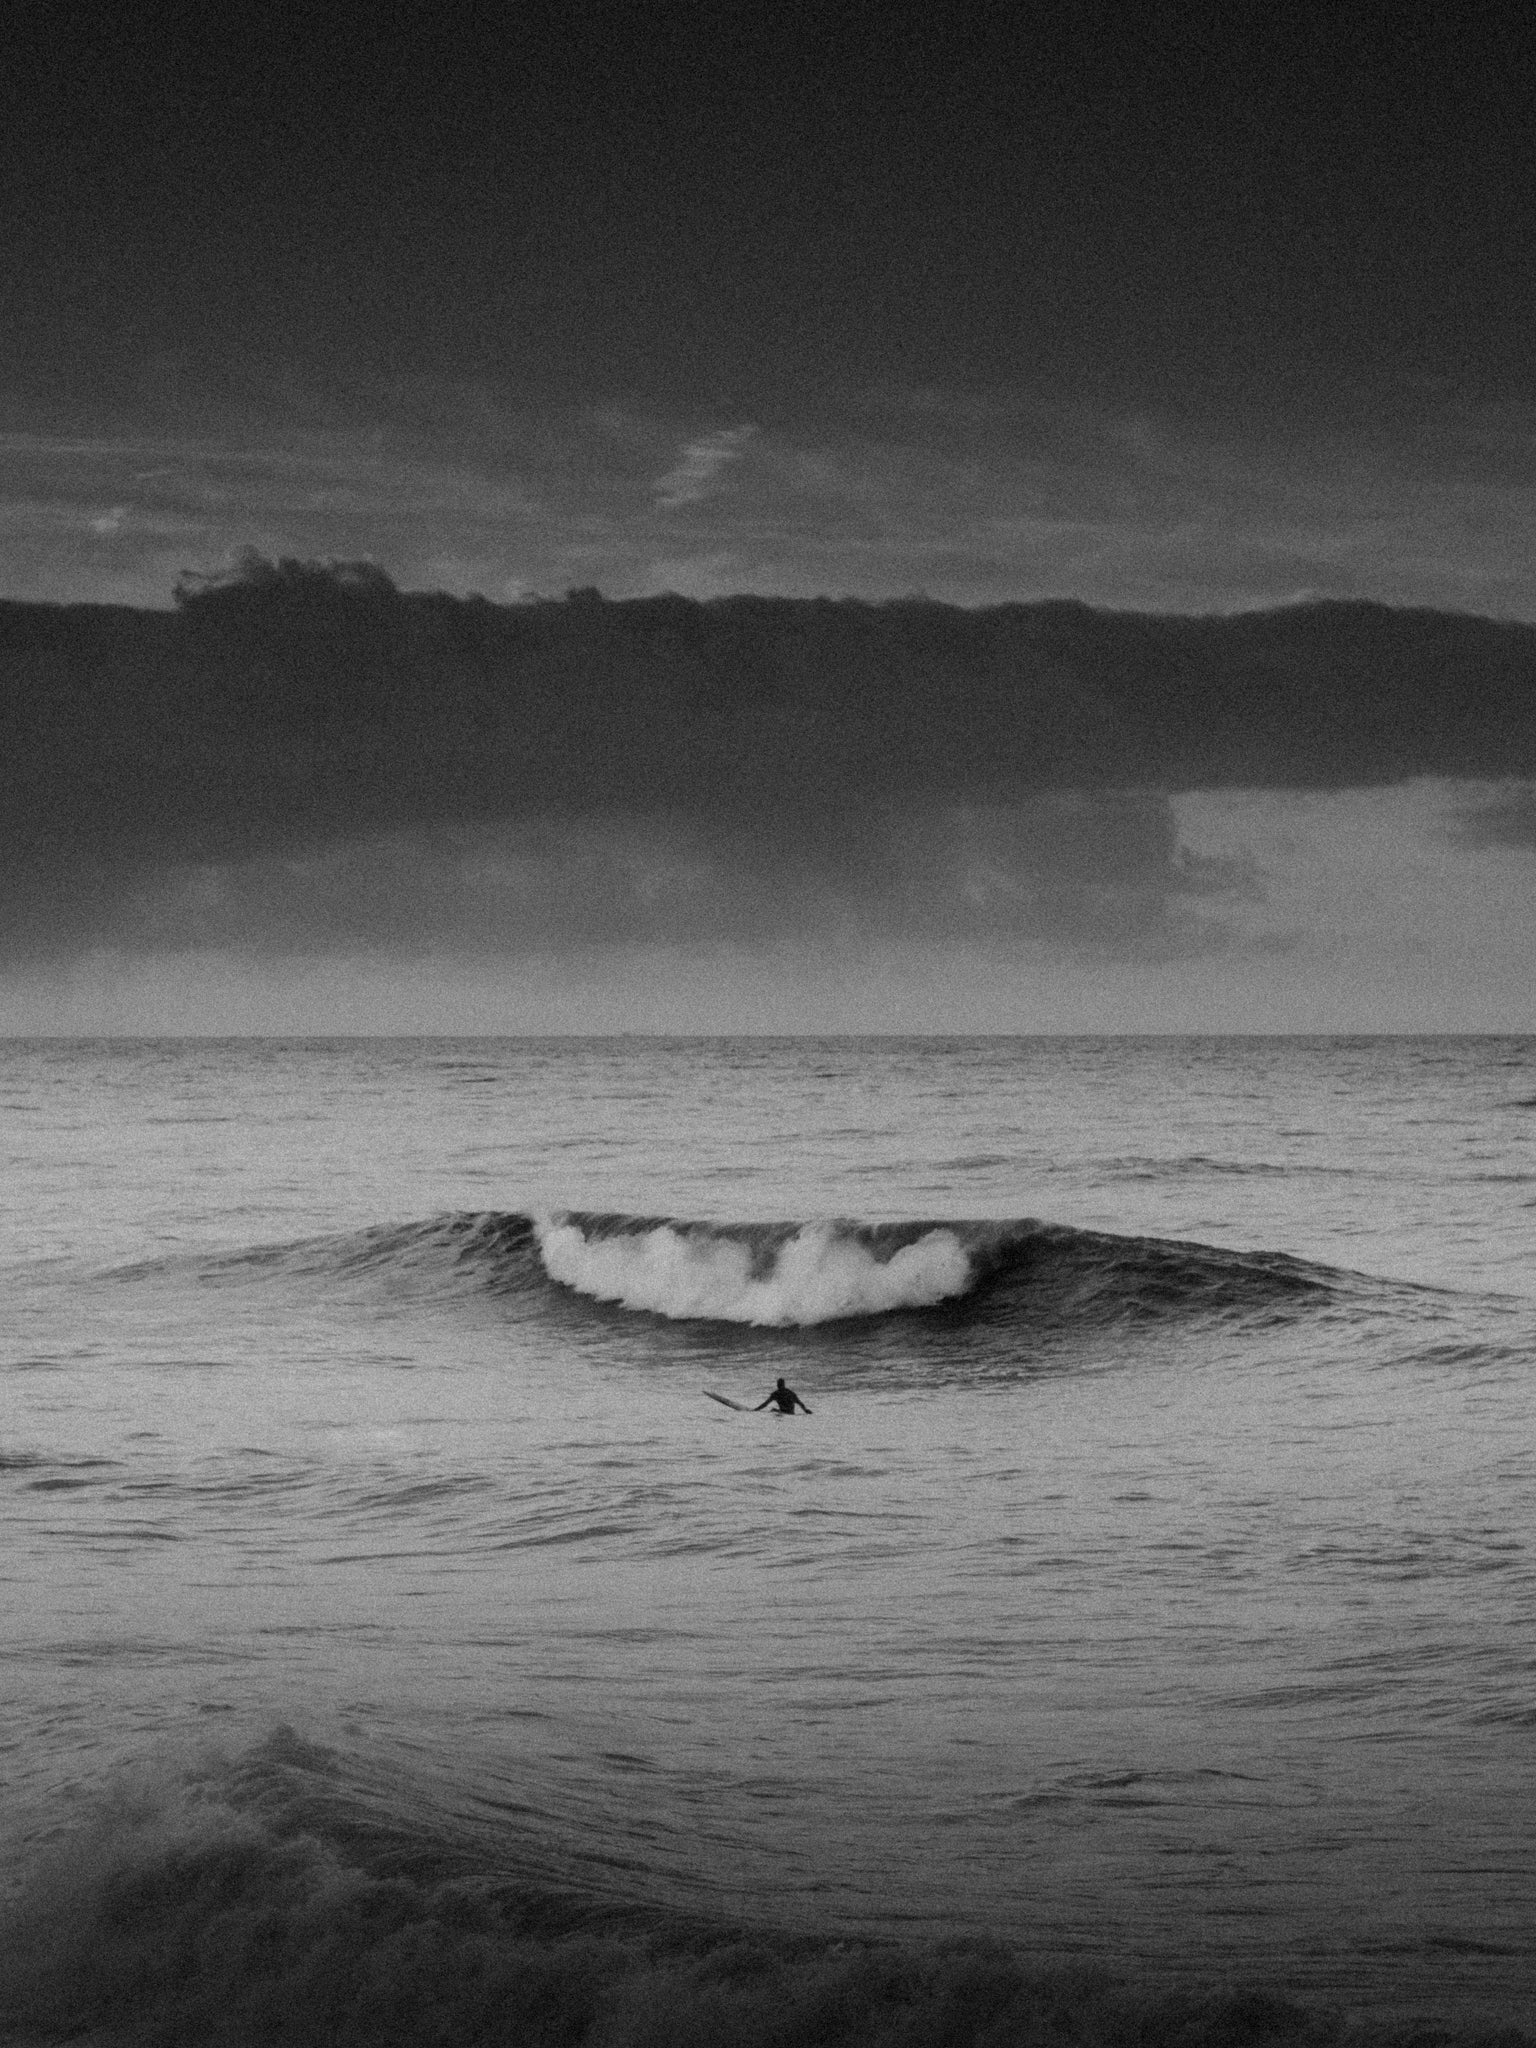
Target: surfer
point(787, 1399)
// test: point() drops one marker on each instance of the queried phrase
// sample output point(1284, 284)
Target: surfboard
point(726, 1402)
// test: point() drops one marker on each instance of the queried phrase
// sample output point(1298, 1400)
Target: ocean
point(1136, 1642)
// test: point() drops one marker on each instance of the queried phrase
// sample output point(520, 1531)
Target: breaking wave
point(798, 1274)
point(820, 1273)
point(268, 1898)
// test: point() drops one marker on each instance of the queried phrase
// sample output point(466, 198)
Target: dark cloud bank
point(303, 757)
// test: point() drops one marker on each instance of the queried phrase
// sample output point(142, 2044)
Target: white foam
point(818, 1275)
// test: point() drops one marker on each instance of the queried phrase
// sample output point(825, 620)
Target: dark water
point(1136, 1642)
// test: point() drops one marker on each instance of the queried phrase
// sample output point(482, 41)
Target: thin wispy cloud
point(701, 466)
point(455, 483)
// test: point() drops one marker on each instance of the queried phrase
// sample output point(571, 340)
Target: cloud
point(1375, 910)
point(1507, 819)
point(1268, 910)
point(1099, 874)
point(1253, 910)
point(699, 468)
point(295, 705)
point(973, 497)
point(302, 764)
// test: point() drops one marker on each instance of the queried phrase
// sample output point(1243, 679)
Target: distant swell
point(797, 1274)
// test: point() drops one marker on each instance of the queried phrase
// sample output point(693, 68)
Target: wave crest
point(774, 1277)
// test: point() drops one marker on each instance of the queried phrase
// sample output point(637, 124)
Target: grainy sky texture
point(1148, 310)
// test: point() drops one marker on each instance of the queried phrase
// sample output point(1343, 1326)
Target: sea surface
point(1137, 1640)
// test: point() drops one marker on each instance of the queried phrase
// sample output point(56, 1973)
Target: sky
point(1159, 311)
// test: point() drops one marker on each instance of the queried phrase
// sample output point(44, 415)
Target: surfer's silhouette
point(787, 1400)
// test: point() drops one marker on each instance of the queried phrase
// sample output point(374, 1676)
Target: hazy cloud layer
point(1281, 910)
point(1088, 874)
point(1505, 819)
point(1377, 911)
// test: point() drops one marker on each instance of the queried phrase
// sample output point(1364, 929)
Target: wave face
point(798, 1274)
point(262, 1899)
